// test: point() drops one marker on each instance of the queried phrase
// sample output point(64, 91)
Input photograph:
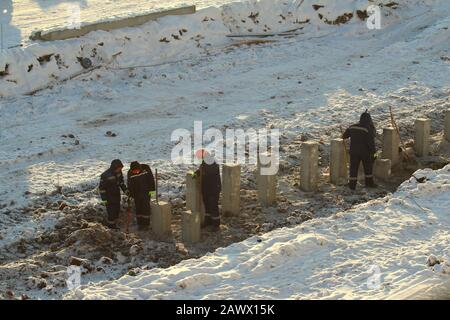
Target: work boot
point(212, 228)
point(143, 228)
point(370, 183)
point(113, 226)
point(352, 184)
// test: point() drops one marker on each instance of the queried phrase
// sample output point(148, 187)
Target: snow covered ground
point(32, 15)
point(54, 143)
point(370, 252)
point(162, 41)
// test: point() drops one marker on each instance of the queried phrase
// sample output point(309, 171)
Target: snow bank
point(25, 70)
point(377, 250)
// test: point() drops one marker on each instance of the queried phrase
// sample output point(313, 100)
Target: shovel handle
point(156, 186)
point(128, 221)
point(394, 125)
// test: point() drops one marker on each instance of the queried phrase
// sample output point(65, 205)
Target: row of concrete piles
point(267, 184)
point(194, 216)
point(390, 156)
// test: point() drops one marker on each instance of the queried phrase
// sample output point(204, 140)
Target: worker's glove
point(105, 203)
point(152, 194)
point(193, 175)
point(376, 156)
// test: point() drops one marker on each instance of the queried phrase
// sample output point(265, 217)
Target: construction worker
point(362, 149)
point(141, 184)
point(211, 185)
point(111, 181)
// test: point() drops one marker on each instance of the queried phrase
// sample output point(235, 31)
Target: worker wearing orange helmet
point(211, 186)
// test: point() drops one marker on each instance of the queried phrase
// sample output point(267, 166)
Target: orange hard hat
point(201, 154)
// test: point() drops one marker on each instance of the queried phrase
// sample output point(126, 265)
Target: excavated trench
point(36, 267)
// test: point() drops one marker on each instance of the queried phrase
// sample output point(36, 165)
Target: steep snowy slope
point(38, 65)
point(32, 15)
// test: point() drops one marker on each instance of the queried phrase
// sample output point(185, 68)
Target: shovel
point(129, 216)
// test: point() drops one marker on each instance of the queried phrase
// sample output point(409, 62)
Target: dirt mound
point(95, 234)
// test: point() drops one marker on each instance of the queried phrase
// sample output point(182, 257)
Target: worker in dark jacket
point(211, 185)
point(141, 184)
point(111, 181)
point(362, 149)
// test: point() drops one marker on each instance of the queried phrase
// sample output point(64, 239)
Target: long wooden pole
point(129, 216)
point(394, 125)
point(156, 186)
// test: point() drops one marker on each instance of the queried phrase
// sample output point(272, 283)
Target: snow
point(328, 258)
point(32, 15)
point(35, 157)
point(305, 85)
point(206, 34)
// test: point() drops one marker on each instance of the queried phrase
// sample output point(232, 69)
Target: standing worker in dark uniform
point(111, 181)
point(209, 173)
point(362, 149)
point(141, 184)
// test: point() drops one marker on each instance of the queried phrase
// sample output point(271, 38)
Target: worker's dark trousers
point(142, 203)
point(113, 210)
point(212, 215)
point(367, 161)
